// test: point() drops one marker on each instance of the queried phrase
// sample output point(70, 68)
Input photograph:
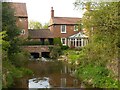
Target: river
point(48, 74)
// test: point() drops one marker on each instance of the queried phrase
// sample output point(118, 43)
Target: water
point(39, 83)
point(52, 74)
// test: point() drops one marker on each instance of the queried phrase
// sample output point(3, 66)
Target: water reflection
point(51, 75)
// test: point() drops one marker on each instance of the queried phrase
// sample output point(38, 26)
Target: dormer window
point(76, 28)
point(63, 28)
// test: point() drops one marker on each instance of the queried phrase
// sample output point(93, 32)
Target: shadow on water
point(48, 74)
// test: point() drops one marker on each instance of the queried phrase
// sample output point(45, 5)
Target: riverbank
point(94, 75)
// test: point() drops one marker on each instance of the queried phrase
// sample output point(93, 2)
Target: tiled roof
point(40, 33)
point(64, 20)
point(20, 9)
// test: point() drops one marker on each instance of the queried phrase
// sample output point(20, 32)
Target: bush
point(64, 47)
point(19, 59)
point(55, 52)
point(78, 48)
point(97, 76)
point(57, 41)
point(32, 43)
point(10, 73)
point(26, 71)
point(46, 42)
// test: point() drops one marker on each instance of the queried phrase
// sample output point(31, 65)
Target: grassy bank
point(95, 75)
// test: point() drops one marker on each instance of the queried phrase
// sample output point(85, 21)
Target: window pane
point(63, 29)
point(63, 40)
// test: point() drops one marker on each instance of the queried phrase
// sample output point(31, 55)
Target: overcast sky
point(40, 10)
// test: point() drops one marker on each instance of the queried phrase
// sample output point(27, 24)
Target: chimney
point(52, 12)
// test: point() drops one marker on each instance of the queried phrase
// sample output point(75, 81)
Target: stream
point(48, 74)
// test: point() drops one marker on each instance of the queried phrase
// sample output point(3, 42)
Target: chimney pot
point(51, 8)
point(52, 12)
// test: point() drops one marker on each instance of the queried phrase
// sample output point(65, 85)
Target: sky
point(40, 10)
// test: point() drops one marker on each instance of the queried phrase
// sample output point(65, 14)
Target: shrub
point(32, 43)
point(57, 41)
point(55, 52)
point(64, 47)
point(97, 76)
point(46, 42)
point(19, 59)
point(78, 48)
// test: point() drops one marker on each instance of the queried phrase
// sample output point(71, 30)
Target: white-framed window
point(63, 40)
point(22, 31)
point(75, 27)
point(63, 28)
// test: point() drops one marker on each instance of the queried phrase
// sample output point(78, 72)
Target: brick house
point(64, 27)
point(22, 17)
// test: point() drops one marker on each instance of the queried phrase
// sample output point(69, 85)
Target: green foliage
point(9, 22)
point(57, 41)
point(26, 71)
point(46, 42)
point(32, 43)
point(72, 55)
point(55, 52)
point(12, 56)
point(10, 72)
point(45, 26)
point(34, 25)
point(19, 59)
point(97, 76)
point(10, 27)
point(36, 43)
point(37, 25)
point(101, 21)
point(64, 47)
point(5, 44)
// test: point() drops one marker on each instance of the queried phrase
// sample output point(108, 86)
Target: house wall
point(22, 23)
point(36, 49)
point(56, 29)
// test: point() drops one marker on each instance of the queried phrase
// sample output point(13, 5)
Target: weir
point(42, 50)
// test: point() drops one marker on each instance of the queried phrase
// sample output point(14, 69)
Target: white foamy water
point(39, 83)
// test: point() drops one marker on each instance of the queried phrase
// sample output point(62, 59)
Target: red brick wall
point(56, 29)
point(22, 23)
point(36, 48)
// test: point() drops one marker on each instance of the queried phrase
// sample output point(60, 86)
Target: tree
point(45, 26)
point(11, 29)
point(9, 22)
point(12, 56)
point(34, 25)
point(102, 23)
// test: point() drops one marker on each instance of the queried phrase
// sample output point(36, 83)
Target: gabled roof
point(78, 35)
point(40, 33)
point(64, 20)
point(20, 9)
